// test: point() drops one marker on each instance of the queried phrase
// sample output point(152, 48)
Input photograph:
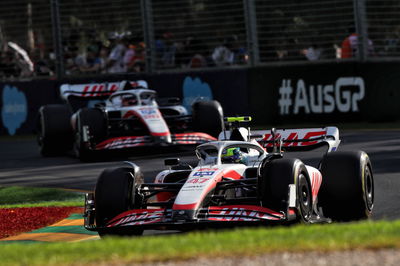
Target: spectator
point(129, 53)
point(137, 61)
point(8, 65)
point(93, 62)
point(350, 45)
point(41, 65)
point(196, 49)
point(138, 66)
point(103, 54)
point(392, 42)
point(115, 62)
point(42, 68)
point(183, 54)
point(240, 53)
point(312, 53)
point(22, 60)
point(74, 60)
point(223, 54)
point(166, 49)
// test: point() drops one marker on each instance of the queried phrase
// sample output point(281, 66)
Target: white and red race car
point(241, 179)
point(120, 116)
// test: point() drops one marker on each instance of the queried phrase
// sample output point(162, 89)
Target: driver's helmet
point(129, 100)
point(233, 155)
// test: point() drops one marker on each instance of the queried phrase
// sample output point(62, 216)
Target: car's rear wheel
point(273, 186)
point(208, 117)
point(115, 193)
point(93, 119)
point(55, 135)
point(347, 189)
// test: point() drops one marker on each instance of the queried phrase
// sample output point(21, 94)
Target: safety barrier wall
point(317, 93)
point(325, 93)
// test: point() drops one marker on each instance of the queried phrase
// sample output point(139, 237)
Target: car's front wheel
point(115, 193)
point(273, 186)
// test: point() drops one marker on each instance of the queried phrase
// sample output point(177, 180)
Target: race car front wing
point(160, 218)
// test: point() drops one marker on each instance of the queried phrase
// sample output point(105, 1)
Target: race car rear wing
point(300, 139)
point(98, 90)
point(297, 139)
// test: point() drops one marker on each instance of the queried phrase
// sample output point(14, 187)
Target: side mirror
point(171, 161)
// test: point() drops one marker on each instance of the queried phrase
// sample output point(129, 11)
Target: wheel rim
point(40, 136)
point(76, 144)
point(368, 189)
point(304, 197)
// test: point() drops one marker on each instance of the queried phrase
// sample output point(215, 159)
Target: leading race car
point(120, 116)
point(241, 179)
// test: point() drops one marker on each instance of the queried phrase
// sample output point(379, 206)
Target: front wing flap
point(126, 142)
point(213, 216)
point(243, 213)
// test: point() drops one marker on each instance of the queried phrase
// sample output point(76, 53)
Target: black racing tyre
point(273, 186)
point(208, 117)
point(115, 193)
point(96, 122)
point(347, 189)
point(55, 135)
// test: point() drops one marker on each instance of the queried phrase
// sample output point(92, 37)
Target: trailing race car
point(120, 116)
point(237, 182)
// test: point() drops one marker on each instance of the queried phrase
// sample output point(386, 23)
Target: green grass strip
point(238, 242)
point(19, 242)
point(14, 197)
point(72, 203)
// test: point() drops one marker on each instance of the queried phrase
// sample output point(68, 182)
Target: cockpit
point(133, 98)
point(223, 152)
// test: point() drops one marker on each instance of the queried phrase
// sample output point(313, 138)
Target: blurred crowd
point(194, 53)
point(121, 53)
point(126, 53)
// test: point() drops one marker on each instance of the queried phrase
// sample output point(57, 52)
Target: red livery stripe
point(159, 134)
point(184, 206)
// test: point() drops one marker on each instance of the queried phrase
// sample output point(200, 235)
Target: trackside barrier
point(324, 93)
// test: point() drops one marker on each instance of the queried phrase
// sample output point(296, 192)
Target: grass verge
point(15, 197)
point(238, 242)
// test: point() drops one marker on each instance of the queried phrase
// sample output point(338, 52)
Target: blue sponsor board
point(20, 102)
point(13, 108)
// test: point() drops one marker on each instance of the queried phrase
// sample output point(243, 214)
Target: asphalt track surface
point(21, 164)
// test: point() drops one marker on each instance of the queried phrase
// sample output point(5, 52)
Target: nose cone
point(163, 140)
point(183, 215)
